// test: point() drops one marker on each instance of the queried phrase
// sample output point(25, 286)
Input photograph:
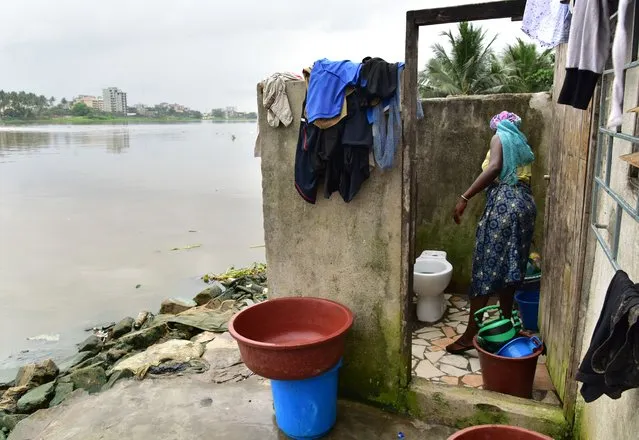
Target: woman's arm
point(487, 177)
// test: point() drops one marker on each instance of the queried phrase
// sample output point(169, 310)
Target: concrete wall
point(453, 140)
point(606, 418)
point(346, 252)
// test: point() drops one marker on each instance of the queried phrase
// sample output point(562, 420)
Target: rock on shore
point(187, 337)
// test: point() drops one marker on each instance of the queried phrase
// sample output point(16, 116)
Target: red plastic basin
point(497, 432)
point(291, 338)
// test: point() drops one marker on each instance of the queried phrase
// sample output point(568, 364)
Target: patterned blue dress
point(503, 239)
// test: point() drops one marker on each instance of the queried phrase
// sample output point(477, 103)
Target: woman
point(505, 231)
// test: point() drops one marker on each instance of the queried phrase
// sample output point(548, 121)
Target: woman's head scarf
point(516, 151)
point(505, 116)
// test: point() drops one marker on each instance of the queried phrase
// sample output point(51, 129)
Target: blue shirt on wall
point(327, 87)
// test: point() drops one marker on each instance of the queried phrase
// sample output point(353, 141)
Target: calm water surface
point(87, 213)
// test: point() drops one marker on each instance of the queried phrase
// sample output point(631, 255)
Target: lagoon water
point(89, 213)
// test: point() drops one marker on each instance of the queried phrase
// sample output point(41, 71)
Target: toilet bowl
point(431, 275)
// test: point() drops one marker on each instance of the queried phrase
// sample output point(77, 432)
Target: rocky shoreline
point(187, 336)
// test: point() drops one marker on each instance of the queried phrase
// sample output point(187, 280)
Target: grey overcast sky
point(199, 53)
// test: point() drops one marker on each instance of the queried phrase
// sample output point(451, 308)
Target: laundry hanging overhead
point(588, 48)
point(588, 51)
point(611, 364)
point(547, 22)
point(623, 34)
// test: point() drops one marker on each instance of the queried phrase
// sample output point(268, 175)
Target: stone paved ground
point(432, 362)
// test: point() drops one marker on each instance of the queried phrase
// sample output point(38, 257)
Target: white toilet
point(431, 276)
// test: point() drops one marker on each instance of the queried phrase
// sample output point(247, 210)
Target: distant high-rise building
point(114, 100)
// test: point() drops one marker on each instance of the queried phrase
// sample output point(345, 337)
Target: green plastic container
point(495, 333)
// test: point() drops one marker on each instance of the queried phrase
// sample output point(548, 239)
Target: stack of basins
point(508, 358)
point(298, 343)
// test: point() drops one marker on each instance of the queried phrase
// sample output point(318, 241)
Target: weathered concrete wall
point(346, 252)
point(606, 418)
point(453, 140)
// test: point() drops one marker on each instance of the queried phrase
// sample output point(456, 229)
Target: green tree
point(468, 66)
point(218, 113)
point(80, 109)
point(528, 69)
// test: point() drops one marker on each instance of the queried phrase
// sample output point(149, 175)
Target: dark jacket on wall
point(611, 365)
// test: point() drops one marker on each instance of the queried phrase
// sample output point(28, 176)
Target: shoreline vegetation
point(22, 108)
point(88, 120)
point(186, 336)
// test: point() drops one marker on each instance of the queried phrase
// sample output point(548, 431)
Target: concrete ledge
point(462, 407)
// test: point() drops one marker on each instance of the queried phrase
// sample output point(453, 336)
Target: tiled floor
point(432, 362)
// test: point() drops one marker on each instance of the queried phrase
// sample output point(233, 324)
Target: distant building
point(230, 112)
point(114, 100)
point(141, 109)
point(93, 102)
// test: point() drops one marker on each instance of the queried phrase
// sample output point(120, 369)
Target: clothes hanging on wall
point(611, 364)
point(325, 123)
point(379, 78)
point(327, 87)
point(349, 110)
point(547, 22)
point(338, 155)
point(275, 99)
point(381, 82)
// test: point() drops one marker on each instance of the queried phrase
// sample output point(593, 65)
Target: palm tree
point(528, 69)
point(468, 67)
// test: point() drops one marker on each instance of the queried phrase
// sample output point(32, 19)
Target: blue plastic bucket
point(307, 408)
point(528, 301)
point(520, 347)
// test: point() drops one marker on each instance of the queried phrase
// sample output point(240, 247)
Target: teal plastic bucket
point(306, 409)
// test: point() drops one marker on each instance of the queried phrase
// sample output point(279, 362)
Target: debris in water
point(233, 137)
point(137, 286)
point(45, 338)
point(186, 248)
point(258, 269)
point(102, 334)
point(192, 230)
point(100, 327)
point(141, 319)
point(257, 246)
point(400, 434)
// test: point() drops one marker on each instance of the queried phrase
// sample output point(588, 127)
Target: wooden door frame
point(512, 9)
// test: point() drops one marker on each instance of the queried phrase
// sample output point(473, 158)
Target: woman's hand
point(459, 210)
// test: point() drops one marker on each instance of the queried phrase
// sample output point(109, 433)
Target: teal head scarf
point(516, 151)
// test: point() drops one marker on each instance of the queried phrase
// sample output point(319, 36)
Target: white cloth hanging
point(623, 34)
point(547, 21)
point(275, 99)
